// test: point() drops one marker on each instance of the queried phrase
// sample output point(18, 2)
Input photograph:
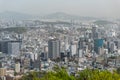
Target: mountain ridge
point(62, 15)
point(57, 15)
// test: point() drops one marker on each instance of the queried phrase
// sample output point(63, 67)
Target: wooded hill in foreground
point(61, 74)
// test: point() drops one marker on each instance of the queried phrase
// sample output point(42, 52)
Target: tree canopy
point(61, 74)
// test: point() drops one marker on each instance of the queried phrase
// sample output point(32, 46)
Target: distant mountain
point(58, 15)
point(14, 15)
point(61, 15)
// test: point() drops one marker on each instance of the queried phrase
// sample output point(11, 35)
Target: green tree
point(97, 75)
point(118, 70)
point(61, 74)
point(58, 74)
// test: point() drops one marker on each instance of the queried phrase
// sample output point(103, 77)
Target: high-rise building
point(2, 71)
point(81, 45)
point(88, 34)
point(54, 48)
point(95, 32)
point(1, 65)
point(112, 46)
point(17, 67)
point(73, 49)
point(80, 54)
point(62, 55)
point(9, 47)
point(98, 44)
point(26, 63)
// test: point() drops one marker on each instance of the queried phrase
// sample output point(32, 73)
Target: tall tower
point(98, 43)
point(94, 32)
point(81, 45)
point(54, 48)
point(17, 67)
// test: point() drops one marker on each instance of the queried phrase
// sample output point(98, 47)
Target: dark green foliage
point(33, 76)
point(97, 75)
point(18, 30)
point(61, 74)
point(118, 70)
point(103, 22)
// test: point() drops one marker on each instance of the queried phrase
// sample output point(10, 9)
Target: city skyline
point(59, 39)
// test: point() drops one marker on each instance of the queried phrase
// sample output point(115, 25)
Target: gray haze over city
point(92, 8)
point(45, 36)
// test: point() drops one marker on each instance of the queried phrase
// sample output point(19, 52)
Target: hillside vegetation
point(18, 30)
point(61, 74)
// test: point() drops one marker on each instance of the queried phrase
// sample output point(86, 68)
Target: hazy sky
point(99, 8)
